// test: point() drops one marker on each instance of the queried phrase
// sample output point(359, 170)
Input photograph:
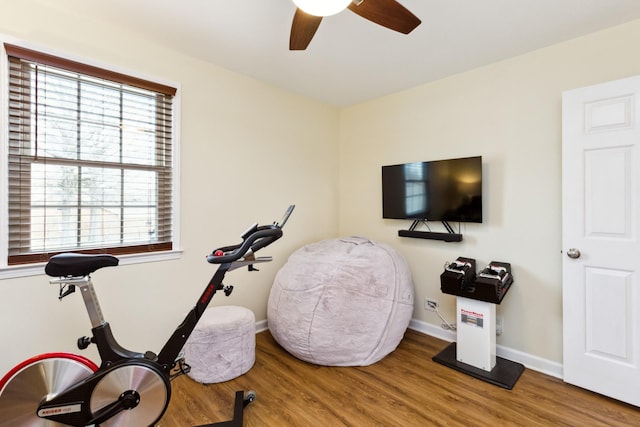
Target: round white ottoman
point(223, 344)
point(341, 302)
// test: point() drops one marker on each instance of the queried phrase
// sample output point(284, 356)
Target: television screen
point(441, 190)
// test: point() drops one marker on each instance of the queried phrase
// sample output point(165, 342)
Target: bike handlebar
point(261, 237)
point(254, 239)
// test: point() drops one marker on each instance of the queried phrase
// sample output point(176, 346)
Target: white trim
point(539, 364)
point(26, 270)
point(545, 366)
point(432, 330)
point(175, 168)
point(4, 138)
point(262, 326)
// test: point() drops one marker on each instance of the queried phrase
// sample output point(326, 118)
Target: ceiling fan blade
point(388, 13)
point(303, 29)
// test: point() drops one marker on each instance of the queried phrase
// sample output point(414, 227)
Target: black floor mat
point(505, 374)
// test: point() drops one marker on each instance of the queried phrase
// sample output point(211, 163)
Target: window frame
point(36, 268)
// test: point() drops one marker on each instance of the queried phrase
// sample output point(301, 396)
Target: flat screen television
point(441, 190)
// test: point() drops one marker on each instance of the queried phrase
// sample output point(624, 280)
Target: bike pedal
point(180, 368)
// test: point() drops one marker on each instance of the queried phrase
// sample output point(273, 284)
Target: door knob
point(573, 253)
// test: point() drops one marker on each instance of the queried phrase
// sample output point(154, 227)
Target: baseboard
point(432, 330)
point(545, 366)
point(539, 364)
point(262, 326)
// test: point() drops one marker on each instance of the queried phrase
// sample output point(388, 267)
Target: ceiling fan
point(309, 14)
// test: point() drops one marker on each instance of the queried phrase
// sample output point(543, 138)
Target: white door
point(601, 238)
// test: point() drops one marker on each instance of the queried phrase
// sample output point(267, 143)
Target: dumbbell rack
point(474, 353)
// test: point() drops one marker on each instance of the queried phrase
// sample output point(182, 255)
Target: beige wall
point(509, 113)
point(327, 161)
point(247, 151)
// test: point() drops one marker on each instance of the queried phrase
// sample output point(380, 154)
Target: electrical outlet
point(430, 304)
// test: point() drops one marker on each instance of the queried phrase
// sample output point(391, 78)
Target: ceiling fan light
point(322, 7)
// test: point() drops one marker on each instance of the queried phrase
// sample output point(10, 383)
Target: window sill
point(26, 270)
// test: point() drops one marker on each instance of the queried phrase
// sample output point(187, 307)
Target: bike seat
point(72, 264)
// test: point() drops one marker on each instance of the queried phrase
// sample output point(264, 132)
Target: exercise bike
point(128, 389)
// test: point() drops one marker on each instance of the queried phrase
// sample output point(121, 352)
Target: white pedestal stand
point(475, 352)
point(476, 326)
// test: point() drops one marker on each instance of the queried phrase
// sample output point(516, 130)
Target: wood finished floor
point(404, 389)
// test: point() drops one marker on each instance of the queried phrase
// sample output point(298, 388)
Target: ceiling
point(351, 60)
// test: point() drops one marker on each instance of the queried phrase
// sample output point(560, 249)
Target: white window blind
point(89, 159)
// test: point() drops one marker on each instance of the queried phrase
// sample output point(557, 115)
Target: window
point(89, 159)
point(415, 188)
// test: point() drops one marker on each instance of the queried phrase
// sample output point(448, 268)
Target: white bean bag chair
point(341, 302)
